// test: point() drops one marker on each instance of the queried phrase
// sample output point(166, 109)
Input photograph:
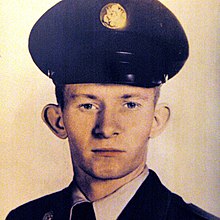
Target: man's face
point(108, 127)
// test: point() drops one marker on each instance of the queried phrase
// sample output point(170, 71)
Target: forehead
point(108, 90)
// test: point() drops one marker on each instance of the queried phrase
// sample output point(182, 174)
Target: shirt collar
point(111, 206)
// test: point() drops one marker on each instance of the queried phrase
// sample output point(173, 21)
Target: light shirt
point(110, 207)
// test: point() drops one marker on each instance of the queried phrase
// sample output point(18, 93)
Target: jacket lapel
point(59, 205)
point(151, 201)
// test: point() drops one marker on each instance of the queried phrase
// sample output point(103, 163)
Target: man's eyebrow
point(74, 96)
point(135, 95)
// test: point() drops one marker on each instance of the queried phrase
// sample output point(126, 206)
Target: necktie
point(83, 211)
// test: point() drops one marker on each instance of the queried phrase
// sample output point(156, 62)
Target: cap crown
point(135, 42)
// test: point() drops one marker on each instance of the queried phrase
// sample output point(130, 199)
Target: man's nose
point(107, 124)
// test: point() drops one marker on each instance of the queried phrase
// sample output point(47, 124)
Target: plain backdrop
point(33, 162)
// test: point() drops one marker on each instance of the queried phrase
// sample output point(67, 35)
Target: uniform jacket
point(152, 201)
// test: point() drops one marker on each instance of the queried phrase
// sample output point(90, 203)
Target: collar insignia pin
point(48, 216)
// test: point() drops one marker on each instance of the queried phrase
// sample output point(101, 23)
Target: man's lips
point(107, 152)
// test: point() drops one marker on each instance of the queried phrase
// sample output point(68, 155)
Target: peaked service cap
point(133, 42)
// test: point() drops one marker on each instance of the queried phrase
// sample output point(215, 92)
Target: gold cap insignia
point(113, 16)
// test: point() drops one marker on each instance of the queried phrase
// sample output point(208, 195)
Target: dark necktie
point(83, 211)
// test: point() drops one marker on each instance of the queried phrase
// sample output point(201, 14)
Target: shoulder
point(165, 204)
point(182, 210)
point(200, 212)
point(39, 208)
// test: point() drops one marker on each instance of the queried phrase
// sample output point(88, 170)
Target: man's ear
point(161, 117)
point(52, 116)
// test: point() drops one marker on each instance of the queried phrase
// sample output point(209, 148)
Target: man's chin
point(108, 174)
point(107, 177)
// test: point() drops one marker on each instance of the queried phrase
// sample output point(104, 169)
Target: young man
point(108, 60)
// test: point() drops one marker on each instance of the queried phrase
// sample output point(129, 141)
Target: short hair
point(60, 95)
point(59, 91)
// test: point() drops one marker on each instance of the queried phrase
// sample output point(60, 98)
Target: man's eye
point(88, 106)
point(131, 105)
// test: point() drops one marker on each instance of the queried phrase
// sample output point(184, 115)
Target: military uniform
point(152, 201)
point(130, 42)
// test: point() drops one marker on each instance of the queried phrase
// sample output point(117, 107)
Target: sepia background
point(33, 162)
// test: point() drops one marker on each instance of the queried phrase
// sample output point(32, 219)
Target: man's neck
point(95, 189)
